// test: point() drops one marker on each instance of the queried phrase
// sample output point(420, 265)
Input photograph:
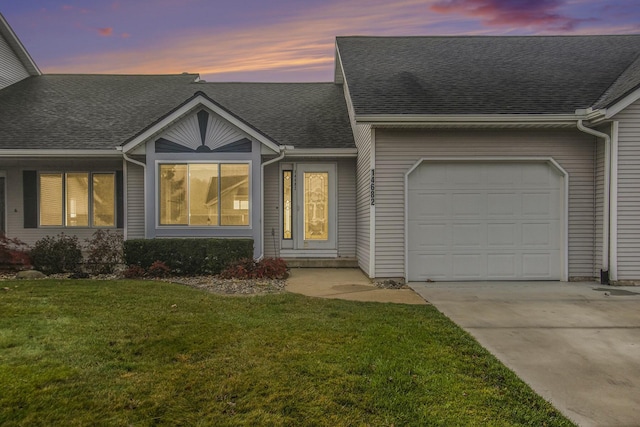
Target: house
point(427, 158)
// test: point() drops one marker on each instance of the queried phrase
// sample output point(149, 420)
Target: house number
point(373, 187)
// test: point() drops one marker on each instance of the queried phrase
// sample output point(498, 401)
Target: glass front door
point(316, 206)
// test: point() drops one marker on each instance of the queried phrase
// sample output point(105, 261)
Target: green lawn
point(143, 353)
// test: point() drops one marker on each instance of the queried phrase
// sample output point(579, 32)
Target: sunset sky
point(278, 40)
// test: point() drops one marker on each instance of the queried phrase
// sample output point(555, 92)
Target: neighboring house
point(428, 158)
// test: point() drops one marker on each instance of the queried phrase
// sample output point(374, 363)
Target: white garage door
point(485, 221)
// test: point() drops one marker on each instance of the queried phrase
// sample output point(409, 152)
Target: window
point(65, 199)
point(204, 194)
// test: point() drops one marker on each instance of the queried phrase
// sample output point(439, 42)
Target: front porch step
point(321, 262)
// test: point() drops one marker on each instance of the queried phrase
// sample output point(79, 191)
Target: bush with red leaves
point(158, 269)
point(266, 268)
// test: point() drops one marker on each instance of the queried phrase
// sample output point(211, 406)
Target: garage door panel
point(469, 266)
point(468, 204)
point(539, 266)
point(437, 265)
point(469, 175)
point(503, 204)
point(485, 221)
point(430, 204)
point(502, 235)
point(540, 235)
point(468, 235)
point(539, 204)
point(434, 236)
point(503, 266)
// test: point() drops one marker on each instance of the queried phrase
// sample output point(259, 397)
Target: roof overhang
point(22, 152)
point(321, 152)
point(18, 47)
point(478, 120)
point(623, 103)
point(198, 100)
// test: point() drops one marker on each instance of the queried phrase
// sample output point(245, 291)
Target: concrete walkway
point(575, 344)
point(345, 283)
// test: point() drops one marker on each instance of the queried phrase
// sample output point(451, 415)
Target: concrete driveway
point(575, 344)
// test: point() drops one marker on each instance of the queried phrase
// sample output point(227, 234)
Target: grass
point(147, 353)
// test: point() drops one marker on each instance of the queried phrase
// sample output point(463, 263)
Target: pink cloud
point(526, 13)
point(105, 32)
point(125, 35)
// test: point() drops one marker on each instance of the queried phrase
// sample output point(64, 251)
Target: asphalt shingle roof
point(104, 111)
point(487, 75)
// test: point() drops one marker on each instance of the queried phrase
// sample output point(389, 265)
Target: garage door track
point(576, 344)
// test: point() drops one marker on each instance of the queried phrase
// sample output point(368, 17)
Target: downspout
point(144, 174)
point(283, 149)
point(604, 272)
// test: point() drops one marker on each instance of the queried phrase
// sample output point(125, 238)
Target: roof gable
point(17, 48)
point(482, 75)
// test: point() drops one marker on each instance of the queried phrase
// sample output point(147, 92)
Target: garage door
point(485, 221)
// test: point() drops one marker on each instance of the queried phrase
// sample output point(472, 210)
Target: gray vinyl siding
point(362, 135)
point(599, 206)
point(398, 150)
point(14, 195)
point(629, 193)
point(363, 197)
point(271, 215)
point(346, 208)
point(11, 69)
point(135, 201)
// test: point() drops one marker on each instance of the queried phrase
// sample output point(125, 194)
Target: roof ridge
point(487, 36)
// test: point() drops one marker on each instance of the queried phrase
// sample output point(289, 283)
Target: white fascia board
point(623, 103)
point(322, 152)
point(185, 109)
point(59, 153)
point(16, 43)
point(469, 119)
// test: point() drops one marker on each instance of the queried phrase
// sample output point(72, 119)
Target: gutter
point(606, 209)
point(283, 149)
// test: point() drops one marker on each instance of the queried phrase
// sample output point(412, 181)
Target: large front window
point(65, 199)
point(204, 194)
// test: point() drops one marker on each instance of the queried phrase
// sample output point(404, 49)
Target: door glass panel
point(287, 200)
point(316, 205)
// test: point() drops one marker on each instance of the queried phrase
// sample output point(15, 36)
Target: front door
point(315, 207)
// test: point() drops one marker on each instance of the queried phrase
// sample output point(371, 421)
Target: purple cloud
point(526, 13)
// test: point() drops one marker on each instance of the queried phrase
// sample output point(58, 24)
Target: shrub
point(104, 251)
point(158, 269)
point(246, 268)
point(133, 272)
point(14, 254)
point(272, 268)
point(59, 254)
point(187, 256)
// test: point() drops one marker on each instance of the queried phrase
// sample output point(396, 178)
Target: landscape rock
point(30, 275)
